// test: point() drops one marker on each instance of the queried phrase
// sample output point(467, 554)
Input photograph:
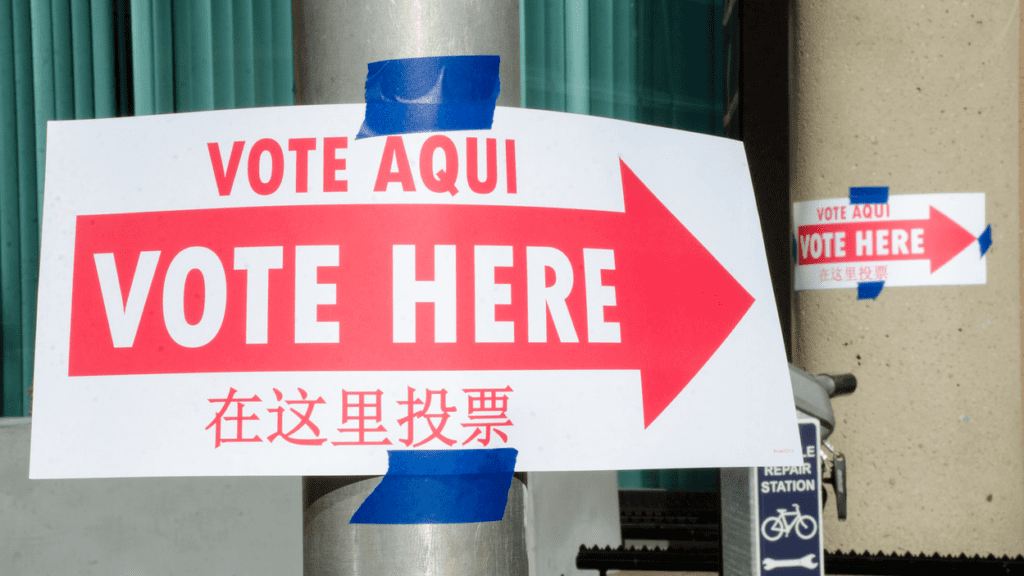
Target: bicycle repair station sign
point(789, 511)
point(302, 290)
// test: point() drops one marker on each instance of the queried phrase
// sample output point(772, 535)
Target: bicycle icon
point(782, 524)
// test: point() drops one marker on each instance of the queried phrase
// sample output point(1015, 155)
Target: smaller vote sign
point(908, 240)
point(789, 511)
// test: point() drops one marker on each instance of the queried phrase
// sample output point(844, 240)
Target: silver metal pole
point(334, 42)
point(332, 546)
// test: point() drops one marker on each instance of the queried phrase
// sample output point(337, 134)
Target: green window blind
point(660, 62)
point(73, 59)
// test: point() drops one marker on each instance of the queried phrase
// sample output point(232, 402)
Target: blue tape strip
point(985, 240)
point(433, 94)
point(869, 290)
point(441, 487)
point(869, 194)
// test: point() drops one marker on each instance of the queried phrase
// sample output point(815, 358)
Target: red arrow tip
point(690, 302)
point(944, 238)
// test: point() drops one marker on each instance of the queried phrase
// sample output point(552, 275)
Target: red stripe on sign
point(937, 239)
point(401, 287)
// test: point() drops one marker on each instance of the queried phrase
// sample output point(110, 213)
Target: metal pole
point(332, 546)
point(334, 42)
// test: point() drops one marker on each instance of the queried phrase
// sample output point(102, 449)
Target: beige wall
point(920, 96)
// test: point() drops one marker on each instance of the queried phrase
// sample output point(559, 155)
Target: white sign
point(911, 240)
point(255, 292)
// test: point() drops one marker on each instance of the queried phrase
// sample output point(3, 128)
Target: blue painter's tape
point(869, 290)
point(441, 487)
point(869, 194)
point(433, 94)
point(985, 240)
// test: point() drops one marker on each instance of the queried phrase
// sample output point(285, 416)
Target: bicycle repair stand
point(742, 526)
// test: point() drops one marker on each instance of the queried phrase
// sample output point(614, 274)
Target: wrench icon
point(805, 562)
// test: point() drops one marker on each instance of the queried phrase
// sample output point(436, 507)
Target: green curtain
point(73, 59)
point(661, 62)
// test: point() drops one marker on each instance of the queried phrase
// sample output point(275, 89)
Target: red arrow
point(675, 303)
point(937, 239)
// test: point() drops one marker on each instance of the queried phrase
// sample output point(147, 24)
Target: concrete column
point(920, 97)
